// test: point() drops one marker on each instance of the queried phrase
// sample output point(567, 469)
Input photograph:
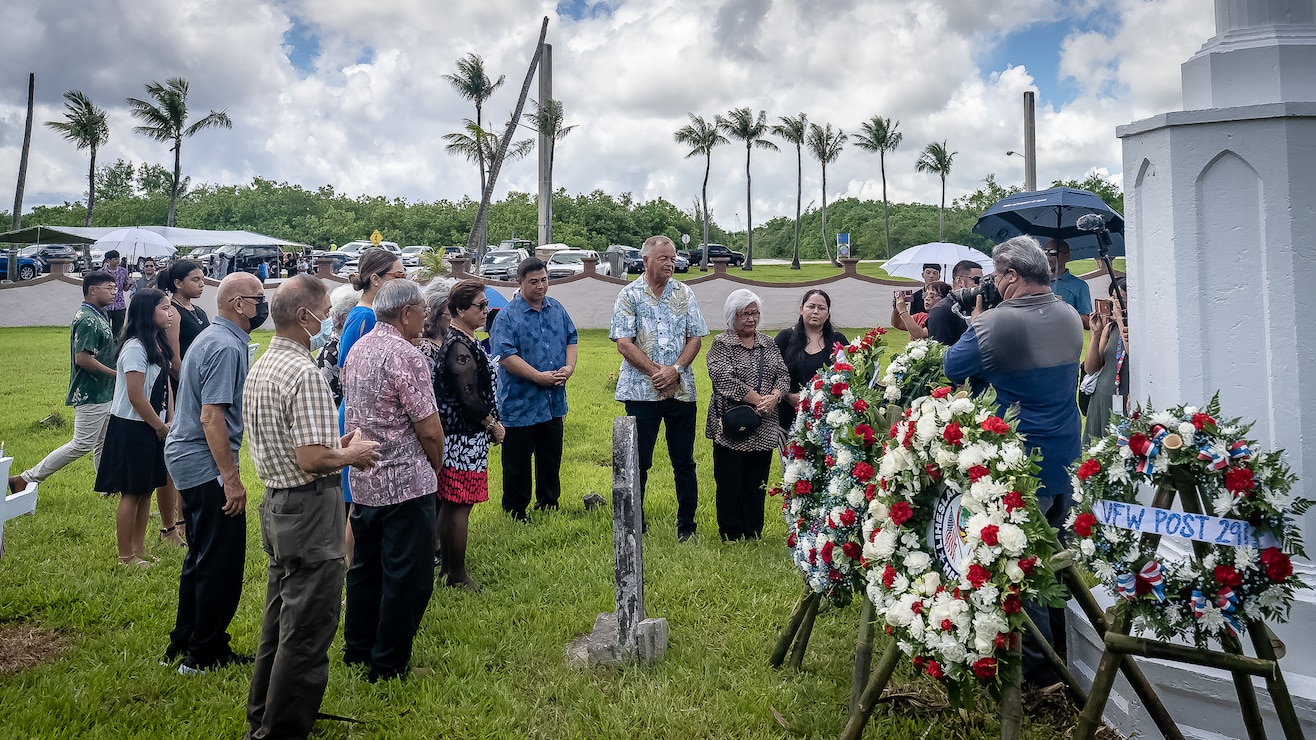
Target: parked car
point(569, 262)
point(714, 250)
point(353, 250)
point(27, 267)
point(501, 264)
point(682, 264)
point(545, 252)
point(452, 253)
point(248, 258)
point(411, 255)
point(513, 244)
point(44, 253)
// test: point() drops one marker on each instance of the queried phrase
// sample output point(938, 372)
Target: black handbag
point(741, 420)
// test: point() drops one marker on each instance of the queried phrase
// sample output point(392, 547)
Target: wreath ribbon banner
point(1181, 525)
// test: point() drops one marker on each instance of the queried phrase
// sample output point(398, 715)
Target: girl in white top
point(133, 462)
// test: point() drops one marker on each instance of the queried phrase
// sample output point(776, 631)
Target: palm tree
point(826, 146)
point(87, 127)
point(741, 125)
point(879, 135)
point(794, 130)
point(937, 160)
point(701, 136)
point(166, 120)
point(473, 84)
point(548, 120)
point(477, 144)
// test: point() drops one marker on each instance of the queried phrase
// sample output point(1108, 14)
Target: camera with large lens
point(966, 299)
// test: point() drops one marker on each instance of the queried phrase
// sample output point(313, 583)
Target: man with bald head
point(201, 453)
point(292, 432)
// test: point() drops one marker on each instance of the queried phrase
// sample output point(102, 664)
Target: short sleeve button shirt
point(90, 333)
point(287, 405)
point(540, 338)
point(1073, 290)
point(660, 326)
point(387, 387)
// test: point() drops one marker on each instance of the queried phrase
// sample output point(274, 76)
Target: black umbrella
point(1052, 214)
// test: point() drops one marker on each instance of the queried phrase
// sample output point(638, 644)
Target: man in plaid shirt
point(292, 431)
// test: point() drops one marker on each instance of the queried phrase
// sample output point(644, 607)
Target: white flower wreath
point(953, 467)
point(1186, 448)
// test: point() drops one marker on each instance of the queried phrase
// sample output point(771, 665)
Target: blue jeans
point(1038, 670)
point(679, 418)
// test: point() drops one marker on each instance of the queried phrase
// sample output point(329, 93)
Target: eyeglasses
point(424, 310)
point(750, 314)
point(396, 274)
point(257, 299)
point(482, 305)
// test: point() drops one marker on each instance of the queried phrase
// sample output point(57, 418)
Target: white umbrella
point(136, 244)
point(909, 263)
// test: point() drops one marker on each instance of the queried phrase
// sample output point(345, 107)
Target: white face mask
point(322, 337)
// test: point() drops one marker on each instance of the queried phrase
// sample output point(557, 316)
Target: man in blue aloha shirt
point(534, 342)
point(1071, 288)
point(657, 326)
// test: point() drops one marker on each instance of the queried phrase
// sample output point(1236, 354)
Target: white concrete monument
point(1220, 200)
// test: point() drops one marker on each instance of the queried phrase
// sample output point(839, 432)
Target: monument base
point(602, 646)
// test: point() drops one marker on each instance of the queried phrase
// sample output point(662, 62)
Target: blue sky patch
point(303, 47)
point(1038, 49)
point(579, 10)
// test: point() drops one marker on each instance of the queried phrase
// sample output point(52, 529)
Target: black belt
point(326, 483)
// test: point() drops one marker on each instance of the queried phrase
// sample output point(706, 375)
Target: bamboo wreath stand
point(867, 686)
point(1120, 645)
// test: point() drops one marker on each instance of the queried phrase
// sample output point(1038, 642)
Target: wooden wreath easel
point(1120, 646)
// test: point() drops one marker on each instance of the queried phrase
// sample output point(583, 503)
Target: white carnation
point(917, 562)
point(926, 429)
point(878, 510)
point(1189, 410)
point(918, 352)
point(855, 499)
point(844, 458)
point(1087, 547)
point(962, 406)
point(892, 393)
point(1013, 539)
point(884, 544)
point(1164, 418)
point(1012, 454)
point(1187, 430)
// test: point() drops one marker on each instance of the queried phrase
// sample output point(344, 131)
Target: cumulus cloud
point(365, 107)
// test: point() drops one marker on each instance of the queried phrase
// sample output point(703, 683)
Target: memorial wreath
point(830, 464)
point(954, 542)
point(1247, 573)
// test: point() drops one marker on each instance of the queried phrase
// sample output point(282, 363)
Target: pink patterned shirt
point(387, 389)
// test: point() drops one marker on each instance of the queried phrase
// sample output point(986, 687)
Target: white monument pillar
point(1220, 202)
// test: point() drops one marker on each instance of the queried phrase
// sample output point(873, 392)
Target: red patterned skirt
point(463, 486)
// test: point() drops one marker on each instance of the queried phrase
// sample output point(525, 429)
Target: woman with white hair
point(749, 377)
point(341, 302)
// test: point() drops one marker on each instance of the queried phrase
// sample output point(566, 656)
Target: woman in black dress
point(184, 281)
point(806, 347)
point(133, 462)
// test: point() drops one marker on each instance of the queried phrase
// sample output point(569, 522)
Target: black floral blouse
point(734, 371)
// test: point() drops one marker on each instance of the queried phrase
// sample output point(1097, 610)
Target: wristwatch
point(679, 369)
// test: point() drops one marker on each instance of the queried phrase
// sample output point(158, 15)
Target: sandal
point(133, 561)
point(176, 539)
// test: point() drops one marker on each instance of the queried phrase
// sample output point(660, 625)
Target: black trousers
point(543, 442)
point(1050, 621)
point(117, 317)
point(741, 479)
point(302, 532)
point(211, 581)
point(679, 418)
point(389, 584)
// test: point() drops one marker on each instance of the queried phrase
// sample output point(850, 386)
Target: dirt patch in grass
point(23, 646)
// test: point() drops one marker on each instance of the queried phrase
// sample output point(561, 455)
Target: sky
point(351, 94)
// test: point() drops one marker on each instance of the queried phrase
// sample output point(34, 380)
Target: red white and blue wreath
point(830, 466)
point(1249, 524)
point(954, 542)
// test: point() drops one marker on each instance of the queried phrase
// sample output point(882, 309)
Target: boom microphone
point(1091, 222)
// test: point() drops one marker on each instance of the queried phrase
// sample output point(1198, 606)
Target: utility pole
point(22, 176)
point(1030, 142)
point(545, 144)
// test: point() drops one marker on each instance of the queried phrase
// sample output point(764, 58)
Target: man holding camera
point(945, 323)
point(1027, 348)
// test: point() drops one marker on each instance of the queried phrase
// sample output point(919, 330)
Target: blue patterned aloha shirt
point(660, 325)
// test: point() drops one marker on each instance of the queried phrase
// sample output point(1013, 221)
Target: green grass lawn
point(497, 656)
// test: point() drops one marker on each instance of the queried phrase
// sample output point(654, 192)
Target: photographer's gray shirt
point(213, 373)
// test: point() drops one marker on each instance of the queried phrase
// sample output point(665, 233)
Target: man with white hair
point(657, 326)
point(390, 398)
point(1028, 349)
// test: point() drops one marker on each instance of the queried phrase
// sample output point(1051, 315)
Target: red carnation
point(934, 669)
point(843, 367)
point(978, 575)
point(888, 576)
point(1228, 575)
point(1089, 468)
point(1201, 420)
point(834, 575)
point(813, 556)
point(1028, 564)
point(839, 388)
point(916, 607)
point(947, 625)
point(953, 435)
point(901, 512)
point(1083, 524)
point(803, 487)
point(870, 491)
point(1012, 604)
point(817, 409)
point(1276, 563)
point(859, 405)
point(995, 425)
point(862, 472)
point(829, 460)
point(1139, 444)
point(790, 540)
point(852, 550)
point(985, 668)
point(989, 535)
point(1003, 641)
point(817, 383)
point(827, 552)
point(933, 471)
point(847, 517)
point(866, 433)
point(895, 429)
point(942, 392)
point(978, 472)
point(1239, 481)
point(1013, 500)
